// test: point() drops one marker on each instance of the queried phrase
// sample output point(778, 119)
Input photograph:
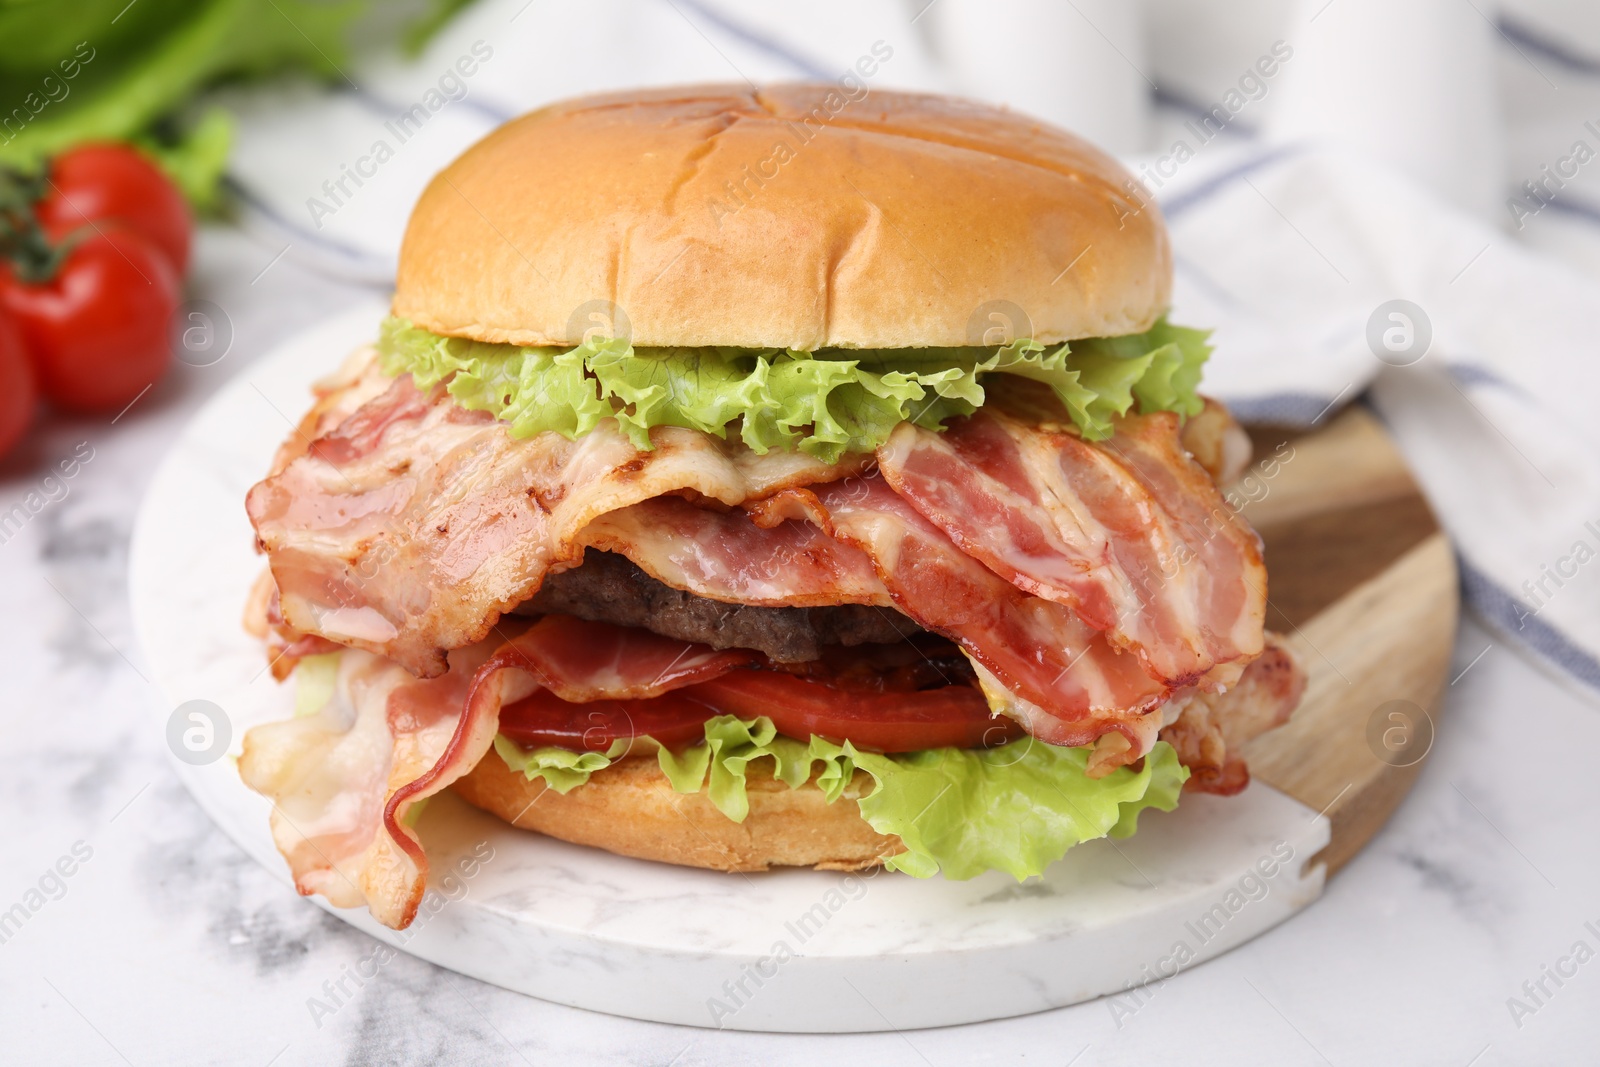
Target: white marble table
point(166, 944)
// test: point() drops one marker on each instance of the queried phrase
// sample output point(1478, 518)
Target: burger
point(762, 478)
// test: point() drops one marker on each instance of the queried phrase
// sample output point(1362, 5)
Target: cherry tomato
point(100, 183)
point(19, 394)
point(97, 330)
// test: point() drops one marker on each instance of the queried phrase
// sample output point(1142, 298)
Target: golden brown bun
point(790, 217)
point(631, 809)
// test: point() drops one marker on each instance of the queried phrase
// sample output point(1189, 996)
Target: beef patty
point(608, 587)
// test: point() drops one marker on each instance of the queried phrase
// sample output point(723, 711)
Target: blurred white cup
point(1080, 64)
point(1409, 82)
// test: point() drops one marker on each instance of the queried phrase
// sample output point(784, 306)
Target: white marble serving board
point(790, 950)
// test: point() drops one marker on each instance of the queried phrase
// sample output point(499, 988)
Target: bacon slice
point(1215, 440)
point(338, 396)
point(1209, 728)
point(1037, 649)
point(1220, 555)
point(1073, 685)
point(865, 544)
point(1129, 533)
point(581, 661)
point(724, 555)
point(1103, 592)
point(411, 525)
point(343, 781)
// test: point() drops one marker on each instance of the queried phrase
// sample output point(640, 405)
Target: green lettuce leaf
point(1016, 808)
point(315, 678)
point(561, 768)
point(823, 403)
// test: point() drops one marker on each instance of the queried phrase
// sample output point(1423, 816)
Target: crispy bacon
point(285, 646)
point(580, 661)
point(724, 555)
point(409, 527)
point(1209, 728)
point(1129, 533)
point(359, 435)
point(1221, 555)
point(865, 544)
point(1103, 592)
point(1034, 648)
point(1216, 441)
point(342, 781)
point(338, 396)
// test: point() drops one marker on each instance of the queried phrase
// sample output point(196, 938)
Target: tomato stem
point(33, 257)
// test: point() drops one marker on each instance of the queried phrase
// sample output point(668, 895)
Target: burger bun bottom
point(631, 809)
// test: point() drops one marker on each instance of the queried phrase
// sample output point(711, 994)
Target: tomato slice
point(674, 719)
point(953, 716)
point(885, 720)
